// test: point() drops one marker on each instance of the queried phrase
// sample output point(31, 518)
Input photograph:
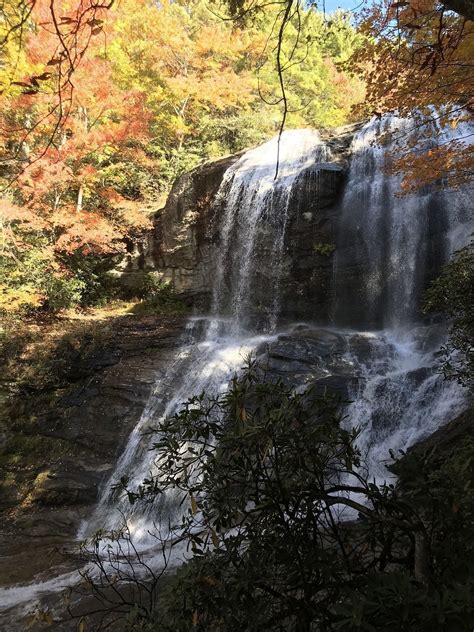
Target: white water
point(399, 398)
point(201, 366)
point(394, 242)
point(256, 203)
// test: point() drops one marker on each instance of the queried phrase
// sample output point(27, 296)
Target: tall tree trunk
point(80, 194)
point(422, 568)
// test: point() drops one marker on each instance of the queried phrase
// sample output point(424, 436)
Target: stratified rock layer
point(184, 244)
point(85, 430)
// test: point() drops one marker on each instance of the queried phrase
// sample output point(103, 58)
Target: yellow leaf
point(214, 538)
point(194, 505)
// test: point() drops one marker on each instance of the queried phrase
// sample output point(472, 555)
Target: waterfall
point(246, 290)
point(389, 245)
point(376, 346)
point(393, 245)
point(397, 397)
point(252, 235)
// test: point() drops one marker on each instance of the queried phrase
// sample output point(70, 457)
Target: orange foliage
point(52, 120)
point(450, 165)
point(418, 62)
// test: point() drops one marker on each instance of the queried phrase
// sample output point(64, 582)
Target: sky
point(332, 5)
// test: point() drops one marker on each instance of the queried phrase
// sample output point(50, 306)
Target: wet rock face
point(183, 246)
point(85, 429)
point(310, 242)
point(311, 358)
point(67, 483)
point(187, 239)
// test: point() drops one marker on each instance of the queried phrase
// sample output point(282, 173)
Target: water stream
point(397, 396)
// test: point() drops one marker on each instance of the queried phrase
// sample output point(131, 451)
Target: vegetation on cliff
point(287, 530)
point(453, 294)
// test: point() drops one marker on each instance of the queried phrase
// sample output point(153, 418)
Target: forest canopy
point(105, 103)
point(102, 109)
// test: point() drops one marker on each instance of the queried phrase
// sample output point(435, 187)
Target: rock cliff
point(62, 446)
point(183, 245)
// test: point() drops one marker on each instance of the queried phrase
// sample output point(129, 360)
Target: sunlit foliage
point(104, 105)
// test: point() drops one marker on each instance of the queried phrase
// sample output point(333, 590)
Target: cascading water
point(394, 245)
point(384, 257)
point(397, 396)
point(389, 245)
point(253, 227)
point(255, 215)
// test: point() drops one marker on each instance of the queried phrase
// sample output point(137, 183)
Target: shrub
point(452, 293)
point(62, 293)
point(263, 477)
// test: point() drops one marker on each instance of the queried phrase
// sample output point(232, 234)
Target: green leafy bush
point(452, 293)
point(95, 274)
point(62, 293)
point(265, 478)
point(324, 249)
point(158, 297)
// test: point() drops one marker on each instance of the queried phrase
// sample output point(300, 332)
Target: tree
point(418, 63)
point(452, 294)
point(59, 37)
point(62, 205)
point(285, 530)
point(416, 60)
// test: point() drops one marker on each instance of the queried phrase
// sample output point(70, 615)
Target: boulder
point(310, 357)
point(67, 483)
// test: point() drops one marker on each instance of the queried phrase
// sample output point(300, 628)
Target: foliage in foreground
point(269, 486)
point(453, 294)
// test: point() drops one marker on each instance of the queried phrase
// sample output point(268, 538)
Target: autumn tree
point(418, 63)
point(60, 206)
point(42, 44)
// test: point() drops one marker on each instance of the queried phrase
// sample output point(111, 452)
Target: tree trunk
point(80, 194)
point(422, 568)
